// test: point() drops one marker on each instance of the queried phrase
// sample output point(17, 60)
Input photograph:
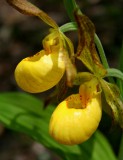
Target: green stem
point(71, 26)
point(70, 6)
point(113, 72)
point(120, 154)
point(121, 58)
point(101, 51)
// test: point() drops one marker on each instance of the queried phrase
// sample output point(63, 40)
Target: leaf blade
point(30, 118)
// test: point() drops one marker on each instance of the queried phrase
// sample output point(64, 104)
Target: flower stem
point(70, 6)
point(120, 155)
point(101, 51)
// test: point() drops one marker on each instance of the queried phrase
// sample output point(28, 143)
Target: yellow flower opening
point(72, 123)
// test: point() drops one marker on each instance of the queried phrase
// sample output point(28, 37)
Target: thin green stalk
point(70, 6)
point(71, 26)
point(119, 82)
point(101, 51)
point(121, 58)
point(120, 155)
point(113, 72)
point(102, 55)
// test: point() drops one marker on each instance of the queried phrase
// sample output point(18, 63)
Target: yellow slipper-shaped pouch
point(71, 123)
point(39, 72)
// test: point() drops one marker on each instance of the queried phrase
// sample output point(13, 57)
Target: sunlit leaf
point(28, 8)
point(24, 113)
point(112, 96)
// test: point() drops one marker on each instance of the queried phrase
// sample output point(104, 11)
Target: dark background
point(21, 36)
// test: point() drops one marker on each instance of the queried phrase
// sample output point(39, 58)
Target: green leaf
point(25, 113)
point(100, 146)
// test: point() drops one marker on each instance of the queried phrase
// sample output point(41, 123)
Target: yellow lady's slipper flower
point(72, 123)
point(43, 70)
point(39, 72)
